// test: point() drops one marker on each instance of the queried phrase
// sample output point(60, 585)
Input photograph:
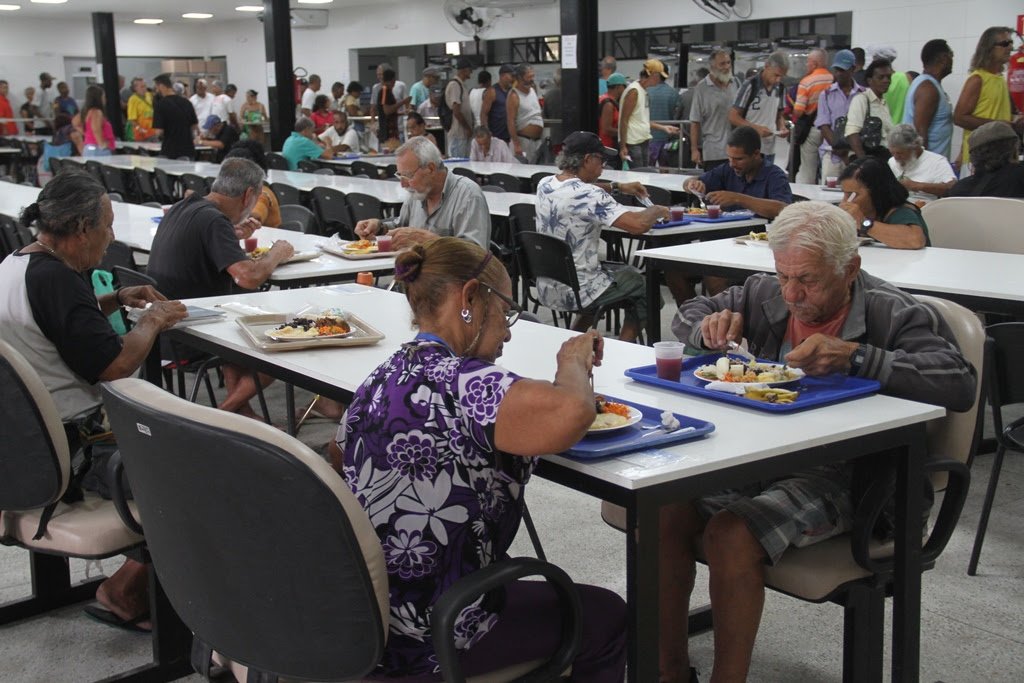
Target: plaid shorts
point(797, 510)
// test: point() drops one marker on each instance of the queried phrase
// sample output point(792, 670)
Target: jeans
point(94, 151)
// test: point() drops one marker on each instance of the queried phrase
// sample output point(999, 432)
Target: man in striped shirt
point(817, 81)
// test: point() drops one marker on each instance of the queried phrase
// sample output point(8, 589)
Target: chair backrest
point(332, 209)
point(976, 223)
point(308, 166)
point(118, 254)
point(144, 184)
point(659, 195)
point(302, 215)
point(459, 170)
point(551, 257)
point(510, 182)
point(492, 188)
point(196, 183)
point(35, 462)
point(115, 196)
point(522, 217)
point(364, 206)
point(10, 237)
point(1006, 368)
point(95, 169)
point(365, 168)
point(390, 171)
point(323, 171)
point(127, 277)
point(537, 177)
point(277, 162)
point(286, 194)
point(164, 184)
point(956, 435)
point(299, 591)
point(114, 180)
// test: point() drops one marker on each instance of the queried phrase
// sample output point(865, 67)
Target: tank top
point(638, 128)
point(993, 102)
point(108, 134)
point(608, 140)
point(497, 117)
point(529, 110)
point(896, 95)
point(940, 132)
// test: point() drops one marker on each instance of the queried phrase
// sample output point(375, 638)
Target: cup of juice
point(831, 181)
point(714, 211)
point(668, 358)
point(678, 212)
point(383, 243)
point(250, 244)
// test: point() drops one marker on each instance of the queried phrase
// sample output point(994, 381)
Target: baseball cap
point(506, 69)
point(993, 131)
point(616, 79)
point(463, 63)
point(585, 142)
point(655, 66)
point(844, 60)
point(211, 121)
point(887, 52)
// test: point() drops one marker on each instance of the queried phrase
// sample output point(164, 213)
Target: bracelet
point(117, 296)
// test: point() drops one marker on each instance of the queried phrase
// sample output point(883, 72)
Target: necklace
point(52, 251)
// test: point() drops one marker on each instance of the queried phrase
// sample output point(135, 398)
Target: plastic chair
point(510, 182)
point(492, 188)
point(277, 162)
point(364, 206)
point(165, 186)
point(196, 183)
point(365, 168)
point(116, 181)
point(115, 197)
point(976, 223)
point(286, 194)
point(521, 217)
point(192, 464)
point(9, 239)
point(37, 472)
point(659, 195)
point(1005, 379)
point(306, 219)
point(118, 254)
point(855, 570)
point(459, 170)
point(308, 166)
point(536, 178)
point(331, 208)
point(144, 185)
point(323, 171)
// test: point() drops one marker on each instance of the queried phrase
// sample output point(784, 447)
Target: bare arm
point(605, 121)
point(512, 111)
point(626, 108)
point(769, 208)
point(926, 102)
point(695, 155)
point(485, 106)
point(250, 274)
point(639, 222)
point(855, 144)
point(963, 115)
point(937, 189)
point(137, 343)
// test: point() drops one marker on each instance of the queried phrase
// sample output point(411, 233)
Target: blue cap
point(211, 121)
point(844, 60)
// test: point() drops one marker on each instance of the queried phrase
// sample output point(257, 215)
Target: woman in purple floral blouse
point(432, 443)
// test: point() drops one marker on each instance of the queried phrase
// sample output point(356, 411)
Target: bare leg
point(679, 526)
point(630, 330)
point(713, 284)
point(241, 388)
point(583, 322)
point(736, 562)
point(126, 593)
point(680, 284)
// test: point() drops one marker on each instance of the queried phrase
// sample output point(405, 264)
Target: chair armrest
point(117, 493)
point(467, 589)
point(952, 504)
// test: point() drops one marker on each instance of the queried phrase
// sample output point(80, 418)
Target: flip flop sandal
point(108, 618)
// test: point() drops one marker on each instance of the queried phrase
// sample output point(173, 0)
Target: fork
point(741, 352)
point(668, 431)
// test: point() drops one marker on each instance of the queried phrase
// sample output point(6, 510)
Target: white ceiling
point(170, 12)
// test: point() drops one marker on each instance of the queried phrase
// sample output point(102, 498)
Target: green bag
point(103, 283)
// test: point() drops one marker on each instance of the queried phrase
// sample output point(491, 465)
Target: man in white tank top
point(524, 116)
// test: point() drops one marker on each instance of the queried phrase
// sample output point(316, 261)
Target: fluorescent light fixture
point(249, 8)
point(9, 8)
point(315, 2)
point(453, 48)
point(152, 22)
point(196, 15)
point(49, 2)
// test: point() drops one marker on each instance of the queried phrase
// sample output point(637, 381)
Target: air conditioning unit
point(309, 18)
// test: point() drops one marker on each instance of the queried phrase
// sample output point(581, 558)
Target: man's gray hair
point(904, 136)
point(820, 55)
point(201, 80)
point(481, 132)
point(521, 69)
point(816, 226)
point(303, 123)
point(426, 152)
point(236, 176)
point(217, 84)
point(717, 51)
point(778, 59)
point(570, 161)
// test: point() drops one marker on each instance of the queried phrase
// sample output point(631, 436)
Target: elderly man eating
point(440, 203)
point(823, 314)
point(926, 174)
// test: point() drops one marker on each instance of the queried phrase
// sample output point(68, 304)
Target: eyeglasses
point(409, 176)
point(514, 309)
point(1005, 43)
point(601, 158)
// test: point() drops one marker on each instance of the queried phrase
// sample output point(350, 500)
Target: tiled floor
point(971, 626)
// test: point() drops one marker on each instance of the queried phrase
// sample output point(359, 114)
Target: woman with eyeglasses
point(985, 96)
point(437, 445)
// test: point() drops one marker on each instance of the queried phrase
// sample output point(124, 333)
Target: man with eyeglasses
point(986, 95)
point(440, 203)
point(574, 207)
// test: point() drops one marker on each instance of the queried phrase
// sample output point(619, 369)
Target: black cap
point(585, 142)
point(506, 69)
point(463, 63)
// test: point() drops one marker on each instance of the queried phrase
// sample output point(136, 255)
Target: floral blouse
point(419, 454)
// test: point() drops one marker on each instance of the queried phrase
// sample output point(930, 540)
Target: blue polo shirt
point(770, 182)
point(298, 147)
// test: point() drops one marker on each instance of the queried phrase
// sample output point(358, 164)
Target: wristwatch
point(615, 186)
point(857, 358)
point(865, 225)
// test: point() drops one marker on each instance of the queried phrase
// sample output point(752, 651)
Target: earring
point(467, 317)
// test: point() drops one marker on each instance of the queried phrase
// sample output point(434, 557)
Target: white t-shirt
point(203, 107)
point(308, 98)
point(350, 137)
point(476, 102)
point(222, 107)
point(927, 168)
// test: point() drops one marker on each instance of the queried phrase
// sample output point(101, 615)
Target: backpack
point(444, 112)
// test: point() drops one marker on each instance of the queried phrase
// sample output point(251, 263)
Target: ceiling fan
point(470, 21)
point(723, 9)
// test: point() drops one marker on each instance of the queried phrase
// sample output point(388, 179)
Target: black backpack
point(444, 112)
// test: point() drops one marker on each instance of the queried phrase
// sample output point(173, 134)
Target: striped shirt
point(810, 88)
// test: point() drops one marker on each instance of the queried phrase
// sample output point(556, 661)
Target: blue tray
point(634, 438)
point(727, 216)
point(156, 219)
point(672, 224)
point(814, 391)
point(455, 160)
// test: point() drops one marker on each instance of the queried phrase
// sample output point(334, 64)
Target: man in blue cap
point(219, 136)
point(832, 105)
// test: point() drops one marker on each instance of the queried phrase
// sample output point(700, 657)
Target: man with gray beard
point(709, 112)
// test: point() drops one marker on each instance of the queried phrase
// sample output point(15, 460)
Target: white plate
point(797, 371)
point(634, 417)
point(276, 335)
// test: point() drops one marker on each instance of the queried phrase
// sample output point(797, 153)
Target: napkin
point(242, 309)
point(733, 387)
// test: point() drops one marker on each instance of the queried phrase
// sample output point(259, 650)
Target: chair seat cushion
point(90, 528)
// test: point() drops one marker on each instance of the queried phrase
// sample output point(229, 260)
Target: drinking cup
point(832, 181)
point(365, 278)
point(383, 243)
point(668, 358)
point(250, 244)
point(678, 213)
point(714, 211)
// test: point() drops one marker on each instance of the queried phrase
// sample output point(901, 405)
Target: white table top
point(932, 269)
point(817, 192)
point(14, 198)
point(668, 181)
point(10, 150)
point(531, 352)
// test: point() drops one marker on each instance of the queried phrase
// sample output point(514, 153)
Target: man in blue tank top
point(927, 106)
point(493, 111)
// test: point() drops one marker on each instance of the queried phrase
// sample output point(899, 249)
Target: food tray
point(814, 391)
point(635, 438)
point(254, 328)
point(673, 224)
point(337, 248)
point(726, 217)
point(456, 160)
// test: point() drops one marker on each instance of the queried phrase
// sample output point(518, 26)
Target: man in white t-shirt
point(309, 95)
point(340, 136)
point(202, 101)
point(926, 175)
point(476, 95)
point(223, 107)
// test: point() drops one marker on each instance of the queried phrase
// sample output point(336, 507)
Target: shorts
point(628, 283)
point(797, 510)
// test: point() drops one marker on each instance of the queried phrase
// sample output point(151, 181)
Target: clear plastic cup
point(668, 357)
point(714, 211)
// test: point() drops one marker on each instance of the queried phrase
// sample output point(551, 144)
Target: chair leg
point(51, 588)
point(532, 531)
point(986, 509)
point(863, 634)
point(261, 397)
